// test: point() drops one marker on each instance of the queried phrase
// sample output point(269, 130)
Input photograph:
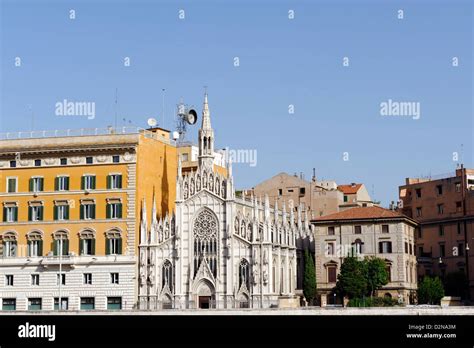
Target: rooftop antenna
point(186, 115)
point(163, 107)
point(462, 153)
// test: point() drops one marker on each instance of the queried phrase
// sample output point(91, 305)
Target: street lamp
point(440, 261)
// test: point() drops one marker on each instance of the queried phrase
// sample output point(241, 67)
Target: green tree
point(376, 273)
point(309, 280)
point(352, 279)
point(430, 290)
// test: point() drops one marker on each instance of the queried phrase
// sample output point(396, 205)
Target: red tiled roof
point(361, 213)
point(349, 189)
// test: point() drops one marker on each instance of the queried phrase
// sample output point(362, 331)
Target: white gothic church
point(218, 250)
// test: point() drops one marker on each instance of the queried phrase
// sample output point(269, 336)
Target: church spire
point(206, 138)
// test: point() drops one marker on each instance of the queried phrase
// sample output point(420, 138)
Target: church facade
point(218, 250)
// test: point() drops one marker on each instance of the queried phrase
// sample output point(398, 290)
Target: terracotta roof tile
point(361, 213)
point(349, 189)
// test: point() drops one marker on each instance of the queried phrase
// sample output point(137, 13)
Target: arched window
point(61, 243)
point(244, 273)
point(113, 242)
point(87, 242)
point(357, 247)
point(167, 275)
point(205, 240)
point(35, 243)
point(10, 240)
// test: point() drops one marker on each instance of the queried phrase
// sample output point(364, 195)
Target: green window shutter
point(30, 213)
point(56, 183)
point(109, 184)
point(67, 183)
point(81, 246)
point(93, 211)
point(93, 182)
point(41, 184)
point(15, 214)
point(67, 212)
point(119, 211)
point(119, 246)
point(41, 213)
point(4, 214)
point(108, 208)
point(66, 247)
point(55, 212)
point(81, 211)
point(56, 248)
point(119, 181)
point(40, 248)
point(28, 245)
point(83, 183)
point(31, 184)
point(93, 246)
point(107, 246)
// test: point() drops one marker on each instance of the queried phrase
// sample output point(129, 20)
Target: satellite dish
point(191, 117)
point(175, 135)
point(152, 122)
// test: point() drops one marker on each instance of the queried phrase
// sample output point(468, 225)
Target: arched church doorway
point(205, 295)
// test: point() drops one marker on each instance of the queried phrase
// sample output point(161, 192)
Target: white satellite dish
point(152, 122)
point(175, 135)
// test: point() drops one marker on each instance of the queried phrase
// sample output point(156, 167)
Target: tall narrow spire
point(206, 138)
point(206, 115)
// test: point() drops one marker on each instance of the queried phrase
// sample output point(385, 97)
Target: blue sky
point(282, 62)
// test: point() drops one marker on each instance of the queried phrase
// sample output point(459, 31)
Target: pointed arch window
point(167, 275)
point(244, 273)
point(205, 240)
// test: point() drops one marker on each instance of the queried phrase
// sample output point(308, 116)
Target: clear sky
point(282, 61)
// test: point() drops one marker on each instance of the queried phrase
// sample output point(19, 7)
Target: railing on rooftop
point(82, 132)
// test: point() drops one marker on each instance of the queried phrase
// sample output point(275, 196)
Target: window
point(385, 229)
point(87, 244)
point(35, 279)
point(87, 210)
point(61, 243)
point(88, 182)
point(12, 164)
point(412, 249)
point(34, 304)
point(35, 244)
point(290, 190)
point(385, 247)
point(332, 274)
point(441, 230)
point(63, 161)
point(418, 212)
point(9, 280)
point(89, 160)
point(88, 278)
point(114, 278)
point(461, 249)
point(37, 163)
point(442, 250)
point(62, 183)
point(11, 185)
point(113, 243)
point(345, 198)
point(63, 279)
point(458, 207)
point(114, 181)
point(116, 159)
point(459, 228)
point(87, 303)
point(61, 211)
point(420, 251)
point(9, 244)
point(10, 212)
point(167, 275)
point(64, 303)
point(357, 229)
point(114, 303)
point(331, 230)
point(418, 192)
point(9, 304)
point(329, 249)
point(388, 268)
point(302, 191)
point(439, 190)
point(457, 187)
point(114, 210)
point(36, 184)
point(244, 273)
point(35, 211)
point(406, 247)
point(280, 192)
point(357, 247)
point(440, 209)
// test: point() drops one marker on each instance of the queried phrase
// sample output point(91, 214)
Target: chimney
point(314, 175)
point(353, 184)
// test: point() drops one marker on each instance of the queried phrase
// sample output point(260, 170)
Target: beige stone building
point(366, 231)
